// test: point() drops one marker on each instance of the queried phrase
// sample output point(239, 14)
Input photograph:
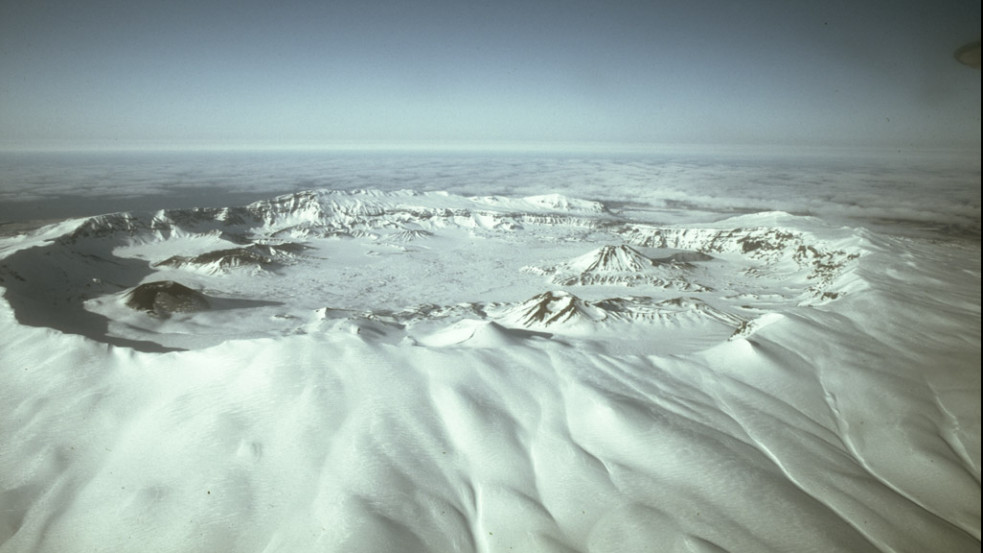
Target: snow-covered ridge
point(256, 256)
point(625, 266)
point(437, 373)
point(561, 309)
point(777, 251)
point(330, 212)
point(408, 216)
point(572, 256)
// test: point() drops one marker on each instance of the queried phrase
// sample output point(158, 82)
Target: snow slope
point(406, 371)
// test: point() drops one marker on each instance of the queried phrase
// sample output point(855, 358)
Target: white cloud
point(939, 189)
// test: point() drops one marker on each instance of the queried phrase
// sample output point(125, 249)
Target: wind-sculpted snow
point(372, 371)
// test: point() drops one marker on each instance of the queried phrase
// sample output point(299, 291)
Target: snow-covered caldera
point(428, 371)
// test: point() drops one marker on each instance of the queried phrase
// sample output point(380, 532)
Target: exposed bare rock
point(164, 297)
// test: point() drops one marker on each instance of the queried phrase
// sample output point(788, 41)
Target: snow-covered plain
point(544, 370)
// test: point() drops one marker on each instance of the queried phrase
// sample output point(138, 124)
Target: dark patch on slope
point(164, 297)
point(46, 286)
point(257, 255)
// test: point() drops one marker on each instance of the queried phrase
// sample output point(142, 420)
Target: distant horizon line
point(516, 147)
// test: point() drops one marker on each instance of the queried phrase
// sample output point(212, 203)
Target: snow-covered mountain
point(555, 309)
point(623, 266)
point(383, 371)
point(322, 213)
point(397, 242)
point(564, 312)
point(253, 256)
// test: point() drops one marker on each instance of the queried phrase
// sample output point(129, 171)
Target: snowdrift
point(407, 371)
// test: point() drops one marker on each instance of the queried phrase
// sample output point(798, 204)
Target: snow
point(420, 371)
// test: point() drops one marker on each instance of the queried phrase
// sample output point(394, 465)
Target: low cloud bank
point(939, 190)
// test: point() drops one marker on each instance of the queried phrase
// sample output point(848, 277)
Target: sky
point(218, 73)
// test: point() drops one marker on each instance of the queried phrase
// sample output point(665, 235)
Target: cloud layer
point(942, 189)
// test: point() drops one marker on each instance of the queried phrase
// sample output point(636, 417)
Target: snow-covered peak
point(612, 259)
point(554, 308)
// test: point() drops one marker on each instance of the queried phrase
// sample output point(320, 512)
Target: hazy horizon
point(855, 186)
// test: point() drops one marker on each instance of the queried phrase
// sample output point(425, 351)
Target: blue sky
point(248, 73)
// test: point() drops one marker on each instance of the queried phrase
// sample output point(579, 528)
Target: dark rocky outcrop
point(164, 297)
